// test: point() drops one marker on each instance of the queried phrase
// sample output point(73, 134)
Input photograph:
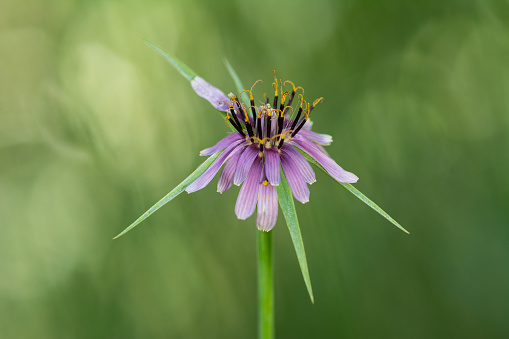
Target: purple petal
point(328, 163)
point(301, 163)
point(210, 93)
point(322, 139)
point(223, 143)
point(321, 148)
point(246, 201)
point(245, 162)
point(225, 180)
point(204, 179)
point(295, 179)
point(272, 166)
point(267, 207)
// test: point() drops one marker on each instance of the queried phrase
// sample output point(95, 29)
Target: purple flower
point(268, 136)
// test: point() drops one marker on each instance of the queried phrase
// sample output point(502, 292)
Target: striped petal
point(295, 179)
point(272, 166)
point(204, 179)
point(246, 201)
point(328, 163)
point(208, 92)
point(223, 143)
point(267, 207)
point(245, 162)
point(302, 164)
point(322, 139)
point(225, 180)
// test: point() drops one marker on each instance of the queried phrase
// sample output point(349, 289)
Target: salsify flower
point(268, 138)
point(269, 154)
point(271, 143)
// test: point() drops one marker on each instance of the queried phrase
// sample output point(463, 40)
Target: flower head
point(269, 137)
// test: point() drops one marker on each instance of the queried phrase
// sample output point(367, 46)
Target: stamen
point(264, 114)
point(234, 124)
point(298, 113)
point(234, 114)
point(300, 126)
point(292, 95)
point(268, 124)
point(247, 122)
point(291, 99)
point(281, 141)
point(294, 133)
point(250, 91)
point(281, 117)
point(282, 106)
point(248, 126)
point(275, 86)
point(259, 126)
point(319, 100)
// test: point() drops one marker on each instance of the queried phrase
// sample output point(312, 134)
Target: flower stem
point(265, 286)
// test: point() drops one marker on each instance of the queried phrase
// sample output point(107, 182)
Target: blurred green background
point(95, 127)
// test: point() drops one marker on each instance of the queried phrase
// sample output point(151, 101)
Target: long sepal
point(358, 194)
point(284, 195)
point(176, 191)
point(181, 67)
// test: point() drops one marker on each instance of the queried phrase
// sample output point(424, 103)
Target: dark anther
point(246, 120)
point(269, 118)
point(294, 133)
point(281, 143)
point(237, 127)
point(292, 95)
point(234, 115)
point(248, 126)
point(253, 109)
point(260, 127)
point(297, 118)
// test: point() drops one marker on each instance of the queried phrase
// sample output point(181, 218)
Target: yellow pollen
point(265, 183)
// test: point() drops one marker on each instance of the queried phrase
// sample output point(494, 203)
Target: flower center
point(269, 125)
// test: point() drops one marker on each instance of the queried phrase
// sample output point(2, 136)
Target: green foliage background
point(95, 127)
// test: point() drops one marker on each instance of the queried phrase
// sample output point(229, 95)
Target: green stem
point(265, 286)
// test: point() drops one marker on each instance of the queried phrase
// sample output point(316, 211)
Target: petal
point(204, 179)
point(267, 207)
point(295, 179)
point(245, 162)
point(223, 143)
point(210, 93)
point(272, 166)
point(322, 139)
point(320, 147)
point(328, 163)
point(302, 164)
point(225, 180)
point(246, 201)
